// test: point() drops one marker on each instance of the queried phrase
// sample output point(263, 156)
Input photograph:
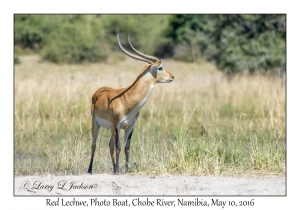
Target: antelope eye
point(160, 68)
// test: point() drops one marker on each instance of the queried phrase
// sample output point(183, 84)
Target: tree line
point(234, 42)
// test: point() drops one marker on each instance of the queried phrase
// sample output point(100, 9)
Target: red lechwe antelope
point(117, 109)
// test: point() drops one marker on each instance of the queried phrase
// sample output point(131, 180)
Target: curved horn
point(131, 55)
point(152, 58)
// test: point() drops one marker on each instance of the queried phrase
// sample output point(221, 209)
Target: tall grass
point(200, 124)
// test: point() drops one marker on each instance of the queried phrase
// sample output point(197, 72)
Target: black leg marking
point(92, 160)
point(118, 149)
point(127, 148)
point(91, 165)
point(118, 145)
point(112, 154)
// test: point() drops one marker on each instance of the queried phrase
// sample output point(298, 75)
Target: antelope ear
point(159, 61)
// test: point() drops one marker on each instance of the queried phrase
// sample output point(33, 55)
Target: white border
point(153, 6)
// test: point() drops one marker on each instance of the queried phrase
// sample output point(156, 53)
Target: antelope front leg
point(114, 153)
point(128, 133)
point(118, 150)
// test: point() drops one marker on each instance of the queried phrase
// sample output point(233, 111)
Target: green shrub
point(30, 31)
point(146, 31)
point(234, 42)
point(76, 40)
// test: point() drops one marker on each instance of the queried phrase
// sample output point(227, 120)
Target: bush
point(76, 42)
point(30, 31)
point(234, 42)
point(146, 31)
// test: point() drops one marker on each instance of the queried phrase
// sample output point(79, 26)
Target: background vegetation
point(233, 42)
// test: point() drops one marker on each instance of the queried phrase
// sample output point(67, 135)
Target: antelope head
point(155, 66)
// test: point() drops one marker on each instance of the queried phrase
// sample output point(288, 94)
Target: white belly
point(103, 123)
point(126, 122)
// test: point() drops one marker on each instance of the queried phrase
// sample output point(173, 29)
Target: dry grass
point(200, 124)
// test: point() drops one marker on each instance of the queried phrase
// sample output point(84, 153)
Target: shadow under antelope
point(117, 109)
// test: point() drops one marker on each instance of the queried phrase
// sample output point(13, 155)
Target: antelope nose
point(172, 77)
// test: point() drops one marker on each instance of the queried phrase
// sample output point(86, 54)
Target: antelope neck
point(138, 93)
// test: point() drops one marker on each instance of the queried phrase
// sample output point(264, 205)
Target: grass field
point(200, 124)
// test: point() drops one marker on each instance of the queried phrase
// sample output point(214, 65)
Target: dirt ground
point(107, 184)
